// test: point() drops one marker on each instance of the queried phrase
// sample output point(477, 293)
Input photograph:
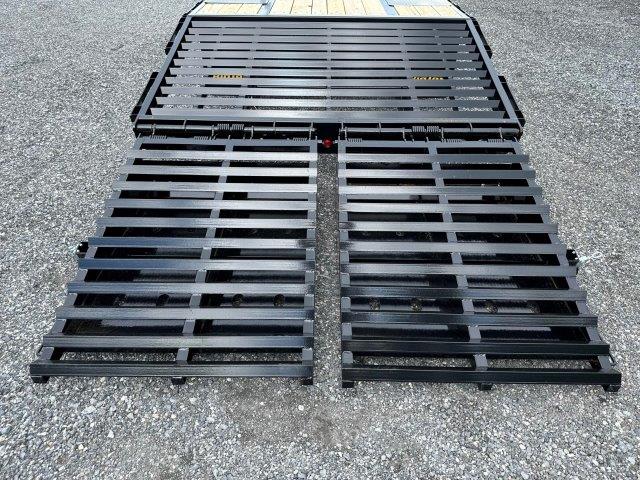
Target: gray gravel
point(70, 71)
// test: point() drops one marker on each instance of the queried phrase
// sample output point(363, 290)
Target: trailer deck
point(350, 8)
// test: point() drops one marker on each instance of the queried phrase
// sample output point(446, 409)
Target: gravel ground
point(70, 71)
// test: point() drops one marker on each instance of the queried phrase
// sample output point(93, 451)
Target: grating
point(451, 270)
point(306, 70)
point(203, 265)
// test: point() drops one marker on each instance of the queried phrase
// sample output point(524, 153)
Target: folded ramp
point(451, 270)
point(263, 70)
point(202, 266)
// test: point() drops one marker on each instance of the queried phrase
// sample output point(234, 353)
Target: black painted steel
point(203, 265)
point(304, 70)
point(452, 271)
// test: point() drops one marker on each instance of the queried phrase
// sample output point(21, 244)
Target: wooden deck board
point(447, 11)
point(354, 8)
point(209, 9)
point(407, 11)
point(319, 7)
point(335, 7)
point(281, 7)
point(249, 9)
point(426, 11)
point(230, 9)
point(351, 8)
point(301, 7)
point(373, 7)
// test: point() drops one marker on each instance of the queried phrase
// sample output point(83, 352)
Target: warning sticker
point(226, 76)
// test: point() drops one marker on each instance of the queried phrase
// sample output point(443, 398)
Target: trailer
point(451, 269)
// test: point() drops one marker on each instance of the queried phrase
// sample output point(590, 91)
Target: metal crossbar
point(259, 71)
point(451, 270)
point(203, 265)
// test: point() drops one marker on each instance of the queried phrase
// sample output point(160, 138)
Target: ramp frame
point(204, 258)
point(263, 71)
point(452, 271)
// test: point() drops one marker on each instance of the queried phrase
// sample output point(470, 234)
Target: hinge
point(415, 133)
point(427, 132)
point(406, 134)
point(226, 129)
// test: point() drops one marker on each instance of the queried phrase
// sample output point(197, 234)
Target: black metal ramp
point(305, 70)
point(202, 266)
point(451, 270)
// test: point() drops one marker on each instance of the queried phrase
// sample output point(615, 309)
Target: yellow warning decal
point(428, 78)
point(227, 75)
